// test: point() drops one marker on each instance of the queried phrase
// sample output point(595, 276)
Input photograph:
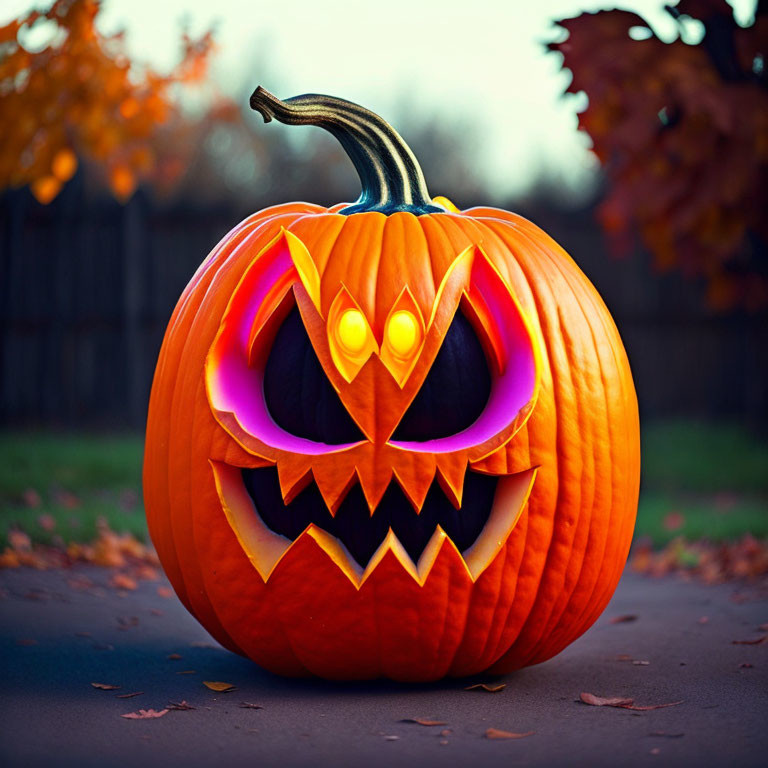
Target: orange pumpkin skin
point(309, 613)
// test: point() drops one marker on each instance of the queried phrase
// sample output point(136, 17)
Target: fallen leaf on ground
point(145, 714)
point(157, 612)
point(623, 619)
point(181, 706)
point(123, 581)
point(495, 733)
point(756, 641)
point(486, 687)
point(649, 707)
point(165, 592)
point(623, 657)
point(249, 705)
point(187, 672)
point(421, 721)
point(599, 701)
point(105, 686)
point(218, 687)
point(129, 695)
point(126, 622)
point(174, 656)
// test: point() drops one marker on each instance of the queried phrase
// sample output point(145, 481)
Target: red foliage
point(82, 97)
point(682, 133)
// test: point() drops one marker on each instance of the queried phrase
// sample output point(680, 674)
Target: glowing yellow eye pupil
point(402, 333)
point(352, 331)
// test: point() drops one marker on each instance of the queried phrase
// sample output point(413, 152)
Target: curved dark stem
point(389, 173)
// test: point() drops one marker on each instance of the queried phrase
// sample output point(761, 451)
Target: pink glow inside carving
point(511, 390)
point(235, 384)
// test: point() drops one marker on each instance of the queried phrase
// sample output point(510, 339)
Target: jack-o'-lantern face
point(369, 408)
point(390, 438)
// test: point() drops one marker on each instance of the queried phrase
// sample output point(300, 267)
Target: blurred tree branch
point(682, 133)
point(81, 98)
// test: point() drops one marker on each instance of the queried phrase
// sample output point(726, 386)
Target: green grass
point(78, 478)
point(714, 476)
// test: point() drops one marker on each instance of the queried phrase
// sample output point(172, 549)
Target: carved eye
point(455, 391)
point(297, 392)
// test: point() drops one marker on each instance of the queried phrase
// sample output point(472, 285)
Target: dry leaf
point(105, 686)
point(219, 687)
point(486, 687)
point(181, 706)
point(165, 592)
point(129, 695)
point(649, 707)
point(174, 656)
point(756, 641)
point(248, 705)
point(187, 672)
point(495, 733)
point(623, 619)
point(598, 701)
point(421, 721)
point(123, 581)
point(145, 714)
point(623, 657)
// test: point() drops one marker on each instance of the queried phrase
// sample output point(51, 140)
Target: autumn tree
point(681, 131)
point(80, 98)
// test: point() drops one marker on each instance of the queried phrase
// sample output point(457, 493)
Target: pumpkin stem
point(390, 174)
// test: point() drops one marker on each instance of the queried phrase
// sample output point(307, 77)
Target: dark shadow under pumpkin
point(362, 533)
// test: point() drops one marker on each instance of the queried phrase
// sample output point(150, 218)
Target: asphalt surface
point(58, 634)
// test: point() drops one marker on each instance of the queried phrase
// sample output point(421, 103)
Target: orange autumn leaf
point(496, 733)
point(81, 98)
point(64, 164)
point(219, 687)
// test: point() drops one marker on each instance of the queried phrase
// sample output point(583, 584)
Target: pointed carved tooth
point(390, 544)
point(512, 494)
point(439, 541)
point(263, 546)
point(415, 477)
point(451, 470)
point(294, 476)
point(334, 486)
point(374, 485)
point(335, 550)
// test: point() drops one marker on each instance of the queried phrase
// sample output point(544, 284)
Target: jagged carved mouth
point(356, 539)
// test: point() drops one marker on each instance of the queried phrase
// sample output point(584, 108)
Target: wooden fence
point(87, 287)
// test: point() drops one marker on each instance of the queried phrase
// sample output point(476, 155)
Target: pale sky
point(480, 61)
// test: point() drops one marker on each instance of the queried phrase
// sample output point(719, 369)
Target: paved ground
point(56, 639)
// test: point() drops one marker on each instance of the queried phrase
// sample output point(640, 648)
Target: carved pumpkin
point(390, 438)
